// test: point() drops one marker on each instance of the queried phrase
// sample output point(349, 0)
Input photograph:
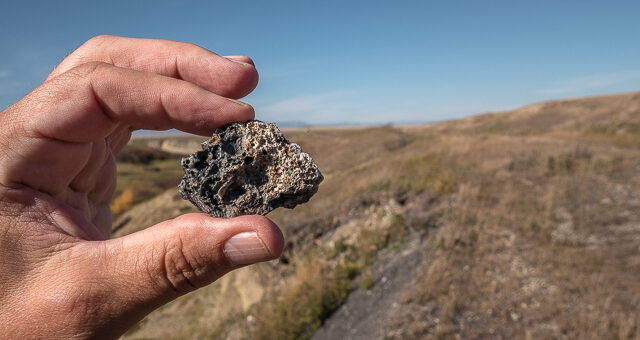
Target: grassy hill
point(517, 224)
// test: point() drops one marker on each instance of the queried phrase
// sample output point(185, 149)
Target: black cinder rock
point(248, 168)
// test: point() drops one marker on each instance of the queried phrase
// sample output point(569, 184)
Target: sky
point(362, 62)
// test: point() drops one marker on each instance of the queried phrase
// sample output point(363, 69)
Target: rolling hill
point(520, 224)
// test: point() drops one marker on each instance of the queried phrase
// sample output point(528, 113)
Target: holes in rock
point(255, 175)
point(248, 160)
point(228, 148)
point(229, 144)
point(234, 191)
point(201, 156)
point(206, 188)
point(197, 161)
point(284, 200)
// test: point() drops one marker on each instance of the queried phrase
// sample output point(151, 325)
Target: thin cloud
point(594, 82)
point(350, 107)
point(324, 107)
point(558, 90)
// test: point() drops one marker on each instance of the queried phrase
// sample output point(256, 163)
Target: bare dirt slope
point(523, 224)
point(366, 310)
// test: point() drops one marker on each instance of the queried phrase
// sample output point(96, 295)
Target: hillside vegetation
point(523, 224)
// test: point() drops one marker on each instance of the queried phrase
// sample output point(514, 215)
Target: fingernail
point(246, 248)
point(240, 59)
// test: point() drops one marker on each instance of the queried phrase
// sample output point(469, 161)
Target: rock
point(248, 168)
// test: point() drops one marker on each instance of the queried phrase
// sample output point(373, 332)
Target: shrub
point(312, 294)
point(366, 281)
point(123, 202)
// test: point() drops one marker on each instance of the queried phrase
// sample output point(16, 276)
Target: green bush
point(312, 295)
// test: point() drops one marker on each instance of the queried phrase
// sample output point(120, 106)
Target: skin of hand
point(60, 274)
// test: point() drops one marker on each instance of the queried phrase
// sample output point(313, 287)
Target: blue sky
point(367, 62)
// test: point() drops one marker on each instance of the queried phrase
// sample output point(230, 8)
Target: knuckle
point(85, 70)
point(76, 76)
point(91, 47)
point(98, 41)
point(180, 49)
point(181, 269)
point(189, 48)
point(66, 86)
point(195, 219)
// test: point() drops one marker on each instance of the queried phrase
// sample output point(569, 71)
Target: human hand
point(61, 277)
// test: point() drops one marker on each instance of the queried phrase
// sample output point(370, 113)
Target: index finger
point(232, 77)
point(88, 102)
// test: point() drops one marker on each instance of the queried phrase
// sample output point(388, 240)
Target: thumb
point(152, 267)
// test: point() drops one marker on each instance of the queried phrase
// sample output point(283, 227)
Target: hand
point(60, 275)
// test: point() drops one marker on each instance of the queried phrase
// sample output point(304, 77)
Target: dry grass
point(539, 217)
point(143, 181)
point(323, 278)
point(538, 242)
point(312, 293)
point(123, 202)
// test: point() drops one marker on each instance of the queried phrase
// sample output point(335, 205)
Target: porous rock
point(248, 168)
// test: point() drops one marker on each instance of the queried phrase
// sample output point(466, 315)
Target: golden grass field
point(522, 224)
